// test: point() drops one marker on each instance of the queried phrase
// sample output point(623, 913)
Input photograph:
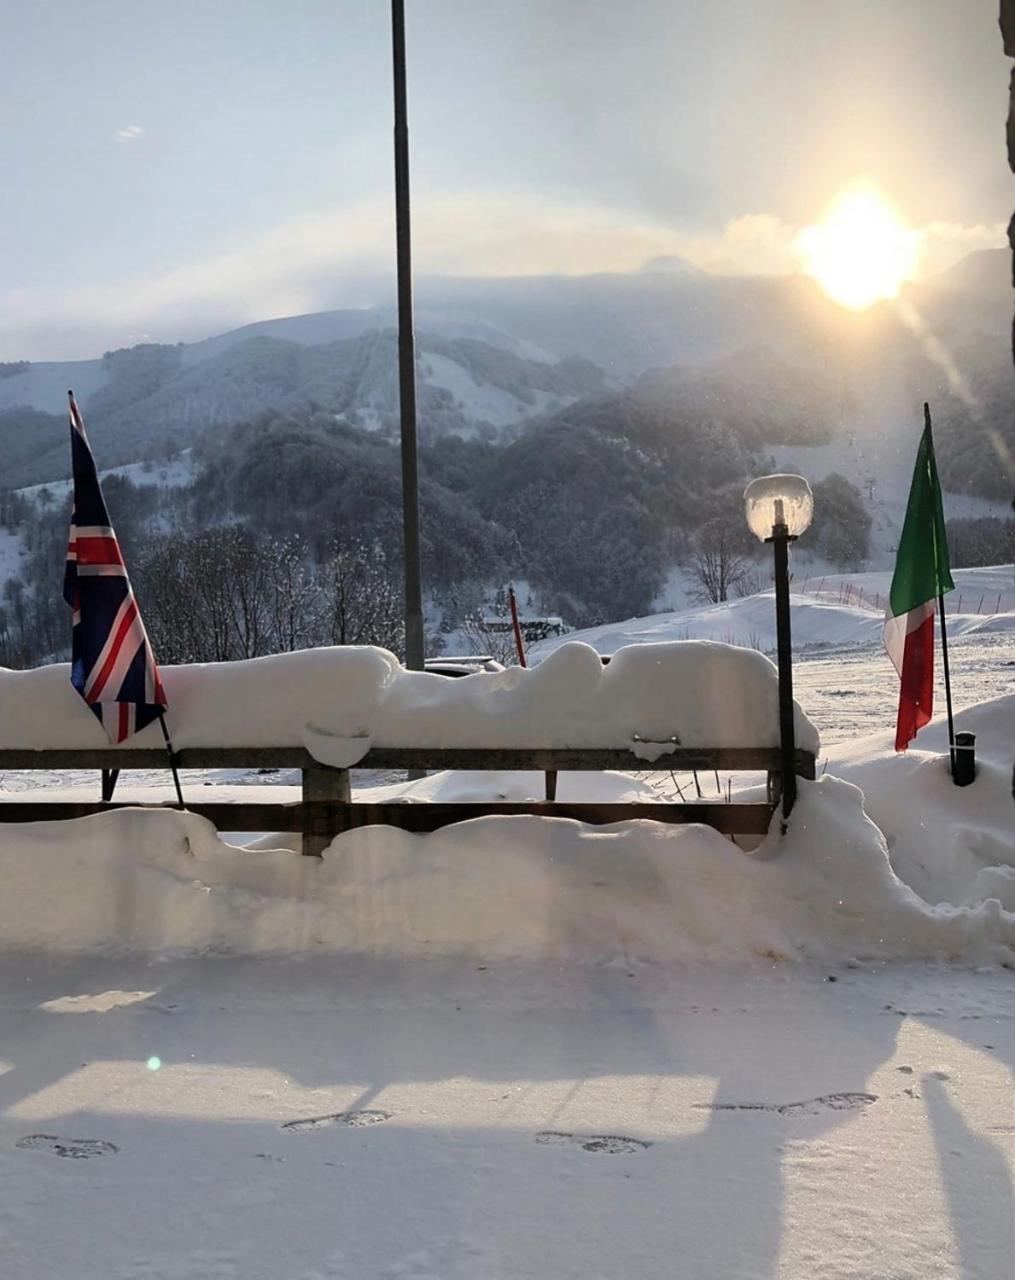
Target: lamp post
point(779, 510)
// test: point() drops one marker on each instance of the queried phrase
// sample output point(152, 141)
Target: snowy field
point(360, 1119)
point(525, 1048)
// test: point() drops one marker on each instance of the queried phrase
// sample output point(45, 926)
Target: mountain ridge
point(496, 353)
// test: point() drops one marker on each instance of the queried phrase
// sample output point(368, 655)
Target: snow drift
point(514, 888)
point(952, 844)
point(263, 702)
point(340, 701)
point(817, 622)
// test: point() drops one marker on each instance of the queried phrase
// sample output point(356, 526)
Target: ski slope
point(171, 473)
point(820, 615)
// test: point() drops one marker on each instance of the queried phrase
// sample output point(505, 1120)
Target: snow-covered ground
point(169, 473)
point(877, 457)
point(11, 551)
point(823, 615)
point(364, 1119)
point(525, 1048)
point(483, 401)
point(842, 676)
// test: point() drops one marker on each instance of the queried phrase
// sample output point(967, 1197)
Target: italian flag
point(921, 575)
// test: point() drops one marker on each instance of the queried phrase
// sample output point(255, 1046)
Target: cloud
point(345, 257)
point(942, 244)
point(130, 133)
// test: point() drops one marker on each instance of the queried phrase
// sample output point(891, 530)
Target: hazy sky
point(171, 169)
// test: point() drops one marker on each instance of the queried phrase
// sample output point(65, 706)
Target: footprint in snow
point(71, 1148)
point(811, 1107)
point(611, 1144)
point(353, 1119)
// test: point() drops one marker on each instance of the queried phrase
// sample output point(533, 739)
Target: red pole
point(518, 631)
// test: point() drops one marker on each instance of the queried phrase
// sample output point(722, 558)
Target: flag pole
point(516, 626)
point(414, 643)
point(172, 758)
point(944, 644)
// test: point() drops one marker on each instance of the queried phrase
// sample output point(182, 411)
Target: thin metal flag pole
point(516, 627)
point(172, 759)
point(414, 657)
point(944, 639)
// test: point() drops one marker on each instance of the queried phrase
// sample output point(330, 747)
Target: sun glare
point(859, 252)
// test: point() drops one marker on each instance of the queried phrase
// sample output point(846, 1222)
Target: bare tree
point(483, 640)
point(363, 597)
point(717, 562)
point(184, 590)
point(297, 599)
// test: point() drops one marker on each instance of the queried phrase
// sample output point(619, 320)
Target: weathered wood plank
point(550, 759)
point(326, 795)
point(325, 810)
point(225, 816)
point(149, 758)
point(539, 759)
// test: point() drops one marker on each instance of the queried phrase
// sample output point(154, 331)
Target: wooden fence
point(327, 807)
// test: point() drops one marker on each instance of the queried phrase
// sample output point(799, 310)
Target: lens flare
point(153, 1063)
point(860, 252)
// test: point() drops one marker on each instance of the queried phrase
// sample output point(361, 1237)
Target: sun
point(860, 252)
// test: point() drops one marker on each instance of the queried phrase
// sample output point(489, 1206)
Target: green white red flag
point(921, 575)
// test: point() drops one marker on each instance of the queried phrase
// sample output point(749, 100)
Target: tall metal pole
point(406, 354)
point(780, 540)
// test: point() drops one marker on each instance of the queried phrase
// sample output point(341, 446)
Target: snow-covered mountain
point(496, 353)
point(154, 399)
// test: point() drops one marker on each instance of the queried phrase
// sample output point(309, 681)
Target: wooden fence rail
point(327, 808)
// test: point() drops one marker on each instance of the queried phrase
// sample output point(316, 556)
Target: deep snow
point(350, 1119)
point(339, 701)
point(819, 618)
point(521, 1048)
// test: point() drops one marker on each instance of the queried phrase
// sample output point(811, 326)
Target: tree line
point(289, 532)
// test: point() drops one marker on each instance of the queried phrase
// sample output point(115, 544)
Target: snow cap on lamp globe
point(773, 500)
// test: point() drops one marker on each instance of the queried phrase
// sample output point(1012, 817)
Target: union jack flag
point(112, 664)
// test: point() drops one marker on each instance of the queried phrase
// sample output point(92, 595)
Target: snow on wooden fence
point(686, 705)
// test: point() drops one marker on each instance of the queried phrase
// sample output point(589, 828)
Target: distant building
point(532, 629)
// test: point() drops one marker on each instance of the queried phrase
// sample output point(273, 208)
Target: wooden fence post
point(323, 790)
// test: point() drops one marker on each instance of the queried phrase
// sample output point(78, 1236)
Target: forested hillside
point(582, 435)
point(494, 354)
point(591, 508)
point(154, 402)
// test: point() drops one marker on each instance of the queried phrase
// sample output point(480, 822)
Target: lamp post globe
point(778, 502)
